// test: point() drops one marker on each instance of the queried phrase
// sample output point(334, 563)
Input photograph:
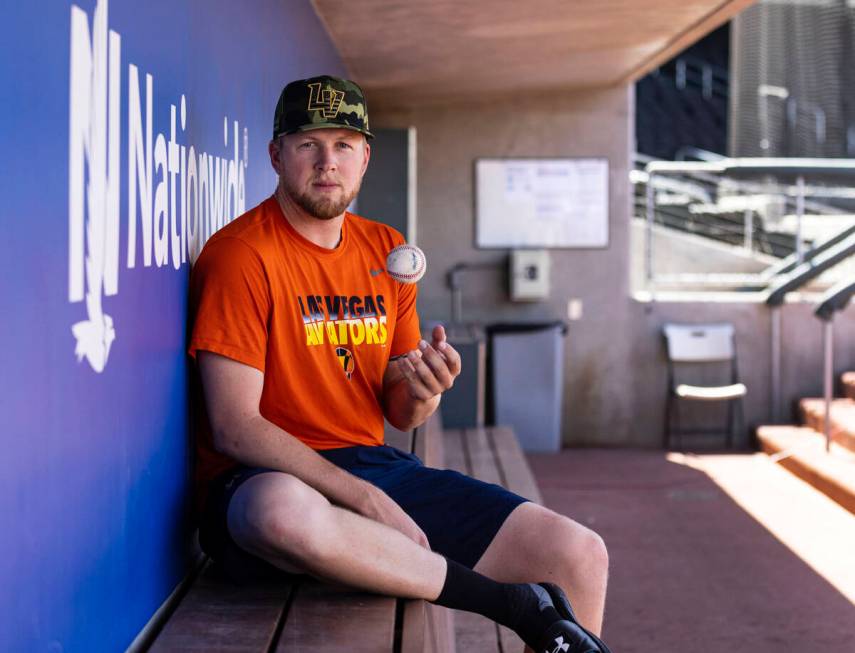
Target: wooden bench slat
point(217, 615)
point(428, 443)
point(441, 628)
point(493, 455)
point(482, 464)
point(509, 641)
point(487, 466)
point(515, 467)
point(402, 440)
point(472, 632)
point(425, 627)
point(436, 623)
point(455, 458)
point(414, 630)
point(332, 618)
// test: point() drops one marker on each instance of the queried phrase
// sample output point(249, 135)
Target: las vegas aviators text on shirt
point(343, 320)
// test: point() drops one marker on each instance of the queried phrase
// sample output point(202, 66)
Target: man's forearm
point(257, 442)
point(405, 412)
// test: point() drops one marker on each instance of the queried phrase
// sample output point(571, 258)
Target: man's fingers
point(417, 386)
point(420, 537)
point(425, 374)
point(424, 540)
point(417, 389)
point(430, 371)
point(439, 366)
point(452, 357)
point(438, 335)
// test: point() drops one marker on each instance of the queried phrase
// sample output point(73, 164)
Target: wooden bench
point(490, 454)
point(212, 614)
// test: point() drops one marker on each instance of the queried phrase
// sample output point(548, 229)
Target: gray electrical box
point(529, 275)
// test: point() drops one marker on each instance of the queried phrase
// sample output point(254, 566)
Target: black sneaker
point(567, 635)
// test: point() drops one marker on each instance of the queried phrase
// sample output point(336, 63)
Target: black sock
point(515, 605)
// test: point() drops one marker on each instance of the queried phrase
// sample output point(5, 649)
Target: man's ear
point(367, 156)
point(275, 151)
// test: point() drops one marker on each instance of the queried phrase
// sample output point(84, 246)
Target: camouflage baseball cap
point(321, 103)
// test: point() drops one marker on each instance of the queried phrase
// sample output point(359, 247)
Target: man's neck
point(323, 233)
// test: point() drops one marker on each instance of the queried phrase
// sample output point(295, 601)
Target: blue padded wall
point(94, 484)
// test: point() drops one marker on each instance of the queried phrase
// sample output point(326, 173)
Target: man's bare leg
point(536, 544)
point(292, 526)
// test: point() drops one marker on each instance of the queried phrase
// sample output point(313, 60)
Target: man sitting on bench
point(303, 345)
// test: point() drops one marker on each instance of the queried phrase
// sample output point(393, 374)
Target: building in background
point(792, 91)
point(682, 106)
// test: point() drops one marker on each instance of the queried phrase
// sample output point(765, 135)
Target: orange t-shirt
point(320, 323)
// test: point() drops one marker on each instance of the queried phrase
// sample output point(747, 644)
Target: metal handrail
point(761, 166)
point(796, 168)
point(723, 227)
point(809, 270)
point(789, 263)
point(774, 240)
point(775, 297)
point(698, 154)
point(835, 299)
point(698, 191)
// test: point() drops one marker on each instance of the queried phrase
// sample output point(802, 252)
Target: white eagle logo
point(91, 113)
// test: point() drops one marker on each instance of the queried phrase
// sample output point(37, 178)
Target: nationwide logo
point(328, 101)
point(345, 359)
point(177, 196)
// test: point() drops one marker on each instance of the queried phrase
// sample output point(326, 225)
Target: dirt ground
point(710, 553)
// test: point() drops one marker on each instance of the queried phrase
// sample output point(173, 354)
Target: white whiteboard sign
point(542, 203)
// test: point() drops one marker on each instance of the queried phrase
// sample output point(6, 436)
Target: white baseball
point(406, 263)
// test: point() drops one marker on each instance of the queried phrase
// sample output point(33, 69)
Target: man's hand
point(431, 369)
point(380, 507)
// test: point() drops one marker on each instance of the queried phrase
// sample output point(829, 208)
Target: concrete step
point(842, 419)
point(848, 381)
point(832, 473)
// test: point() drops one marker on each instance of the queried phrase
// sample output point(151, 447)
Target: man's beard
point(323, 208)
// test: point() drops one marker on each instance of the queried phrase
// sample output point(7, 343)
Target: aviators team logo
point(342, 320)
point(346, 322)
point(345, 359)
point(327, 101)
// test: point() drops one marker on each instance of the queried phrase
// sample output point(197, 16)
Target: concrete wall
point(591, 123)
point(643, 377)
point(615, 373)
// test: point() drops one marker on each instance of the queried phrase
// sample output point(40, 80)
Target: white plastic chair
point(693, 345)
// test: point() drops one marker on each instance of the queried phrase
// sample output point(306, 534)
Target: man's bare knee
point(583, 549)
point(276, 514)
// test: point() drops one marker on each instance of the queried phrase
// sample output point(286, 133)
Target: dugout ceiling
point(407, 52)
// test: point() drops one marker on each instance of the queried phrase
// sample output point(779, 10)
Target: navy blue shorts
point(460, 515)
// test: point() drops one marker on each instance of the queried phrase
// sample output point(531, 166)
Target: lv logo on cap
point(327, 101)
